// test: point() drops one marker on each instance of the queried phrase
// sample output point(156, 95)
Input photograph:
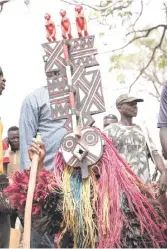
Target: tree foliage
point(135, 61)
point(108, 10)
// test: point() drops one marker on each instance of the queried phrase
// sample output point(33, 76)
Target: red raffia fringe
point(17, 190)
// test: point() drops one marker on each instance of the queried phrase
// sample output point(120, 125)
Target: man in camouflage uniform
point(132, 142)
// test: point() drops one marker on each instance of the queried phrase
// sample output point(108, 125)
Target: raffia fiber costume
point(110, 209)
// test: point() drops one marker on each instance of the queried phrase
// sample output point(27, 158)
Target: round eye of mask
point(90, 138)
point(68, 144)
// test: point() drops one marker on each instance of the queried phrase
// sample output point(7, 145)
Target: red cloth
point(56, 240)
point(6, 158)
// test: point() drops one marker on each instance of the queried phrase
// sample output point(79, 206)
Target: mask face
point(87, 149)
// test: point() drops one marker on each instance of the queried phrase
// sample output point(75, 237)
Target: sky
point(22, 33)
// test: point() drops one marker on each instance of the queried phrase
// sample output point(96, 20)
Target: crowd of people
point(133, 142)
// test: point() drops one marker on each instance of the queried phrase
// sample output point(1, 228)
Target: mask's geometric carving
point(58, 90)
point(82, 52)
point(91, 142)
point(89, 98)
point(54, 58)
point(75, 93)
point(89, 88)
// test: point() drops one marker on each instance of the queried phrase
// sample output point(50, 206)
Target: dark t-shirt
point(162, 119)
point(4, 230)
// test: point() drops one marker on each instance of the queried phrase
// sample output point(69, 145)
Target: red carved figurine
point(81, 21)
point(50, 28)
point(65, 25)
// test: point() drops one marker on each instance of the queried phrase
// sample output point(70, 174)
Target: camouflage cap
point(125, 98)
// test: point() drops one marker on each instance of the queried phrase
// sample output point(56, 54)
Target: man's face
point(13, 139)
point(109, 121)
point(129, 110)
point(2, 84)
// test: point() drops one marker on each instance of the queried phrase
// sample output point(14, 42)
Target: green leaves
point(121, 78)
point(125, 16)
point(115, 61)
point(101, 34)
point(122, 63)
point(110, 12)
point(162, 63)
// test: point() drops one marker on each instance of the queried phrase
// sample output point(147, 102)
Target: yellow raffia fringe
point(87, 211)
point(88, 199)
point(106, 211)
point(68, 204)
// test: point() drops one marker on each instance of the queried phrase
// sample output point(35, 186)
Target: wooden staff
point(30, 195)
point(75, 126)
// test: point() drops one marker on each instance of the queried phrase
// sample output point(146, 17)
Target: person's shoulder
point(141, 125)
point(113, 131)
point(38, 94)
point(165, 86)
point(113, 126)
point(164, 90)
point(162, 119)
point(41, 89)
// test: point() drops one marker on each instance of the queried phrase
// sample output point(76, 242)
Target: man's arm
point(28, 126)
point(162, 120)
point(155, 154)
point(159, 164)
point(163, 139)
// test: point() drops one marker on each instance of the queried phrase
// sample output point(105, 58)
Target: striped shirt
point(36, 116)
point(6, 158)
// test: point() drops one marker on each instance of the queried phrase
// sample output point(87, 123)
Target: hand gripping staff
point(30, 195)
